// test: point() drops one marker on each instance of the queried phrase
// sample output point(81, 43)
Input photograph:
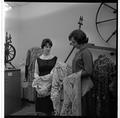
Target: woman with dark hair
point(83, 60)
point(43, 78)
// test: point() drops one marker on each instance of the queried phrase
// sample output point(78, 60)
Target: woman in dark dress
point(43, 80)
point(83, 60)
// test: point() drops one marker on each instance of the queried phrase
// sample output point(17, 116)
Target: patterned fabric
point(61, 91)
point(42, 85)
point(104, 70)
point(72, 95)
point(61, 70)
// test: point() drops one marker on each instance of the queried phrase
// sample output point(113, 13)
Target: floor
point(27, 109)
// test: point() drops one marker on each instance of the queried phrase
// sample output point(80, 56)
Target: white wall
point(29, 24)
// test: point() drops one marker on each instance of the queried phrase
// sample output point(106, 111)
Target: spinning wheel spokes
point(10, 53)
point(106, 22)
point(109, 6)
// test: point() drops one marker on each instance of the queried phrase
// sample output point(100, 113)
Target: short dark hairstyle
point(79, 36)
point(45, 42)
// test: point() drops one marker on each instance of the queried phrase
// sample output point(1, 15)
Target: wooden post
point(80, 24)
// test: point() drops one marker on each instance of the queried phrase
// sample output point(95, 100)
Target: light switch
point(9, 73)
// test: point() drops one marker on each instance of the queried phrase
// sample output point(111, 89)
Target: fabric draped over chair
point(31, 56)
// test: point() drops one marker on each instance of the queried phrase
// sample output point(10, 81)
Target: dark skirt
point(44, 105)
point(88, 104)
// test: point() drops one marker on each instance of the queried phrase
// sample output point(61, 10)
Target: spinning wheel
point(106, 21)
point(10, 51)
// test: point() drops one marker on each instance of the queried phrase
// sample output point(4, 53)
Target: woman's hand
point(47, 77)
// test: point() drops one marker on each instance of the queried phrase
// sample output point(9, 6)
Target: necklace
point(46, 57)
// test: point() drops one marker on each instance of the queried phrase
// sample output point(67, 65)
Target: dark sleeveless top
point(45, 66)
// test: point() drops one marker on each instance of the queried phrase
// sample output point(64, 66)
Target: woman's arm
point(88, 64)
point(36, 72)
